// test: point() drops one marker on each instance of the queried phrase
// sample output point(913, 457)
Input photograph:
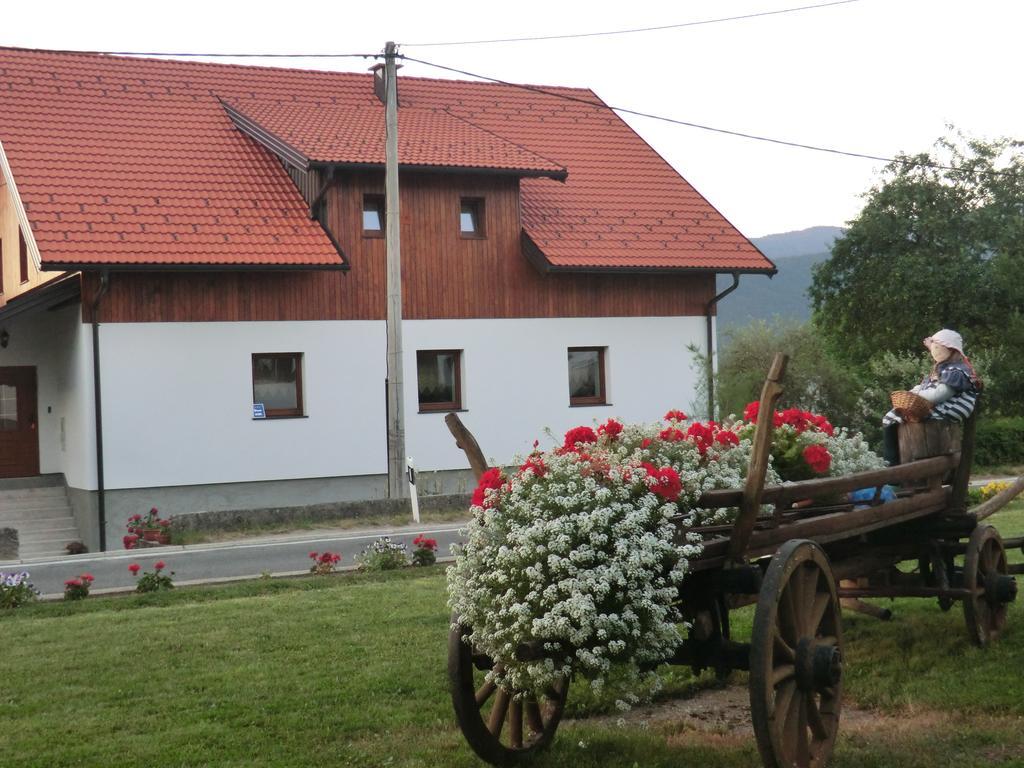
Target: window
point(471, 217)
point(8, 408)
point(277, 383)
point(23, 257)
point(586, 376)
point(373, 215)
point(439, 379)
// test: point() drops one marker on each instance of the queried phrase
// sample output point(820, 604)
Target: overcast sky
point(871, 76)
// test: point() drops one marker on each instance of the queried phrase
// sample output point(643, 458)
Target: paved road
point(247, 558)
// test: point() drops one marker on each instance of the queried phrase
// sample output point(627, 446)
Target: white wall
point(177, 403)
point(516, 381)
point(61, 349)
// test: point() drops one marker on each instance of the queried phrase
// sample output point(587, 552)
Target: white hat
point(947, 338)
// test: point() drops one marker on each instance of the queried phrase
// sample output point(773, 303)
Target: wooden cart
point(799, 564)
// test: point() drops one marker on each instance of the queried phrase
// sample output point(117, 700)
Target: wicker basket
point(910, 406)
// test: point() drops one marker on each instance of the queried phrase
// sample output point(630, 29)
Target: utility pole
point(397, 486)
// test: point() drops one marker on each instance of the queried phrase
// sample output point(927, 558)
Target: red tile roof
point(124, 161)
point(427, 138)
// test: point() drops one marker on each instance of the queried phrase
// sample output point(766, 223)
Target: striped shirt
point(959, 377)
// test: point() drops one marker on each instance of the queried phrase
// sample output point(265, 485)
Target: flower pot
point(157, 535)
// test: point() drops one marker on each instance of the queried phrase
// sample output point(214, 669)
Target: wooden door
point(19, 422)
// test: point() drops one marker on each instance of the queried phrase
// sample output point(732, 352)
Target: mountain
point(783, 296)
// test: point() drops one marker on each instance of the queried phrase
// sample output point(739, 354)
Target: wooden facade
point(13, 258)
point(444, 275)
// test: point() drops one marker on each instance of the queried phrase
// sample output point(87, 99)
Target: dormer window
point(373, 215)
point(471, 217)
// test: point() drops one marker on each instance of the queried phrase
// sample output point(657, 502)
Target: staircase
point(38, 509)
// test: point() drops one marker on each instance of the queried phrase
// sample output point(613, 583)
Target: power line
point(688, 124)
point(631, 31)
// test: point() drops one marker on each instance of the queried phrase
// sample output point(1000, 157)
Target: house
point(187, 247)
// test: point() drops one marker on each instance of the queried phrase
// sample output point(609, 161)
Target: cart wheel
point(796, 659)
point(985, 574)
point(501, 727)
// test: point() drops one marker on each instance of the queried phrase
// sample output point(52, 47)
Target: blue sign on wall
point(258, 411)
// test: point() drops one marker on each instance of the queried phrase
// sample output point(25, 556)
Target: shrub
point(16, 589)
point(383, 555)
point(999, 441)
point(425, 550)
point(323, 562)
point(78, 589)
point(152, 582)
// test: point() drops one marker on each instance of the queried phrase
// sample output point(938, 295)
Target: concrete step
point(37, 481)
point(64, 534)
point(44, 524)
point(34, 493)
point(20, 505)
point(44, 513)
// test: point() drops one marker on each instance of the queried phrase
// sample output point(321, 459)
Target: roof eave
point(178, 267)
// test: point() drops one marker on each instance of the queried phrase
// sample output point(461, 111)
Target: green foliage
point(16, 590)
point(999, 441)
point(814, 380)
point(155, 581)
point(383, 555)
point(933, 247)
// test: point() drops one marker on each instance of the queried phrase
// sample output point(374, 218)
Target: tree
point(939, 244)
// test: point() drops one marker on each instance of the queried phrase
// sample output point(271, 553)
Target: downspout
point(710, 341)
point(97, 396)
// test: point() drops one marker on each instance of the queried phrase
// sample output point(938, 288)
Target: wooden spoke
point(783, 700)
point(483, 693)
point(814, 720)
point(822, 600)
point(533, 716)
point(782, 673)
point(515, 724)
point(498, 712)
point(803, 746)
point(791, 722)
point(782, 648)
point(789, 624)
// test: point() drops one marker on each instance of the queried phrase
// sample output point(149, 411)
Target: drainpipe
point(97, 396)
point(710, 341)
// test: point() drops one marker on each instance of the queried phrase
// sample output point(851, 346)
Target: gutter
point(98, 405)
point(710, 340)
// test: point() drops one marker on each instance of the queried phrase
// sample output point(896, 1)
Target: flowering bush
point(993, 488)
point(324, 562)
point(152, 582)
point(383, 555)
point(78, 589)
point(16, 589)
point(138, 524)
point(425, 552)
point(576, 551)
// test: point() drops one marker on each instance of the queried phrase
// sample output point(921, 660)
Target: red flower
point(666, 482)
point(164, 523)
point(646, 442)
point(72, 583)
point(134, 568)
point(425, 543)
point(492, 478)
point(135, 517)
point(675, 415)
point(534, 464)
point(612, 428)
point(313, 555)
point(129, 540)
point(152, 510)
point(160, 565)
point(818, 458)
point(578, 435)
point(701, 435)
point(671, 434)
point(725, 437)
point(751, 411)
point(87, 577)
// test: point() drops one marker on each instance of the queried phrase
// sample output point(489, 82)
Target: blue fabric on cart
point(888, 493)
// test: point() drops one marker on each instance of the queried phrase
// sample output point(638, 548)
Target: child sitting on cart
point(952, 387)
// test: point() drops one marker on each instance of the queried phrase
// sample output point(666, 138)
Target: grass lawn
point(350, 670)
